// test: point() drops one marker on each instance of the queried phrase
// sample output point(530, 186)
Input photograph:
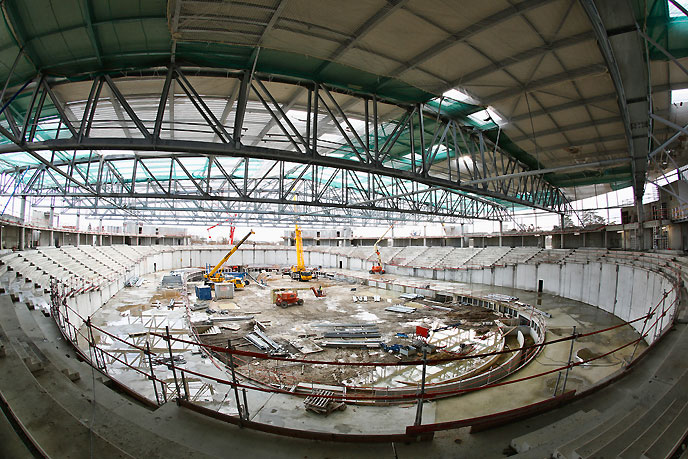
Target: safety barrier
point(172, 381)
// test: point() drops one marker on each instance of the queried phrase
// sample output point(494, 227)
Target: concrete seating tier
point(518, 255)
point(80, 273)
point(110, 253)
point(361, 252)
point(488, 256)
point(550, 256)
point(128, 252)
point(431, 256)
point(585, 255)
point(406, 256)
point(93, 258)
point(48, 267)
point(458, 257)
point(386, 253)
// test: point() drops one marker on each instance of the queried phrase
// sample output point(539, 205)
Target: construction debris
point(500, 297)
point(265, 343)
point(305, 346)
point(321, 403)
point(368, 344)
point(411, 296)
point(400, 308)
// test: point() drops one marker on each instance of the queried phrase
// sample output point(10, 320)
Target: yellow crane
point(216, 276)
point(377, 267)
point(298, 272)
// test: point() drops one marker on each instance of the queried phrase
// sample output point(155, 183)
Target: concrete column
point(640, 234)
point(22, 230)
point(606, 245)
point(78, 217)
point(561, 241)
point(52, 226)
point(462, 236)
point(100, 232)
point(2, 243)
point(501, 228)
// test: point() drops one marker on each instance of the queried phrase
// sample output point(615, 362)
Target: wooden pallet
point(320, 403)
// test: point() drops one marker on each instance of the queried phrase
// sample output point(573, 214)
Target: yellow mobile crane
point(299, 272)
point(216, 276)
point(377, 267)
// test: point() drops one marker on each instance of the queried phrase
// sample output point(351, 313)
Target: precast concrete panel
point(639, 301)
point(573, 273)
point(607, 295)
point(526, 277)
point(424, 272)
point(503, 276)
point(591, 288)
point(550, 275)
point(355, 264)
point(624, 292)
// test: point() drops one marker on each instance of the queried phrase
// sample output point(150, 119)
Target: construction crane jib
point(299, 272)
point(211, 274)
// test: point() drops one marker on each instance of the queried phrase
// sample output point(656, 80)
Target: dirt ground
point(297, 324)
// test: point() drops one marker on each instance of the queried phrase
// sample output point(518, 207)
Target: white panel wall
point(608, 284)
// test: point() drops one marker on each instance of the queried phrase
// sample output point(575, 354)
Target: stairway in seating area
point(646, 416)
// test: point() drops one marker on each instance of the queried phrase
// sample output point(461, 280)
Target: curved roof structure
point(336, 111)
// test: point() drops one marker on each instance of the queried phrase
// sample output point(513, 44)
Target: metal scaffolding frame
point(413, 160)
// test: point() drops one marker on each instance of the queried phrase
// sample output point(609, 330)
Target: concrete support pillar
point(78, 218)
point(501, 229)
point(22, 230)
point(583, 233)
point(561, 225)
point(52, 226)
point(462, 236)
point(606, 245)
point(640, 234)
point(100, 232)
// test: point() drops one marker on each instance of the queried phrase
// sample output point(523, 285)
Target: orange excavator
point(377, 266)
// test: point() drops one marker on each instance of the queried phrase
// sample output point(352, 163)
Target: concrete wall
point(622, 290)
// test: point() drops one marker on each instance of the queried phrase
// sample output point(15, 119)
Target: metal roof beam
point(473, 29)
point(570, 75)
point(524, 55)
point(624, 56)
point(568, 127)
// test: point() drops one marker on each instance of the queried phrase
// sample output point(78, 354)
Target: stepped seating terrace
point(431, 257)
point(458, 257)
point(406, 256)
point(488, 256)
point(518, 255)
point(584, 255)
point(550, 256)
point(45, 385)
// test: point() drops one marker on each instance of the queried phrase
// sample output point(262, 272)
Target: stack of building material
point(400, 308)
point(263, 342)
point(351, 335)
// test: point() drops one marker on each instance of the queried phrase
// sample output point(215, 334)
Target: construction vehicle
point(319, 293)
point(377, 267)
point(298, 272)
point(286, 299)
point(215, 276)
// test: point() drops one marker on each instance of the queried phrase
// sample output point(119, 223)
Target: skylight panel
point(487, 116)
point(674, 12)
point(679, 96)
point(459, 96)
